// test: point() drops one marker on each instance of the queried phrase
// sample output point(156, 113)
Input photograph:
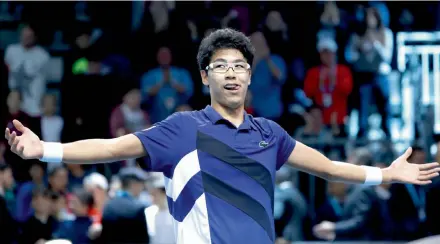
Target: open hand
point(402, 171)
point(27, 145)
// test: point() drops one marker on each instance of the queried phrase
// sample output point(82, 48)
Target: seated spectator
point(159, 219)
point(77, 230)
point(24, 193)
point(409, 204)
point(123, 220)
point(165, 87)
point(329, 86)
point(269, 72)
point(60, 211)
point(39, 227)
point(314, 133)
point(8, 188)
point(332, 208)
point(97, 184)
point(8, 226)
point(76, 173)
point(58, 179)
point(51, 123)
point(129, 117)
point(365, 215)
point(20, 168)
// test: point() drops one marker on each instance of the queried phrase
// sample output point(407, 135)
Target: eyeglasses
point(224, 67)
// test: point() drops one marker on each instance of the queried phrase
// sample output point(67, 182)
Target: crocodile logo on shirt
point(263, 144)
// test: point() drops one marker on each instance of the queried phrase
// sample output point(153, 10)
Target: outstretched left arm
point(311, 161)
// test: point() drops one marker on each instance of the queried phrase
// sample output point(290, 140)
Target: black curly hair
point(222, 39)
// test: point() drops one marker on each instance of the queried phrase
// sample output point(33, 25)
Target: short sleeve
point(285, 142)
point(160, 141)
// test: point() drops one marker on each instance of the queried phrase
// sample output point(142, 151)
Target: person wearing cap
point(98, 185)
point(123, 219)
point(329, 84)
point(158, 217)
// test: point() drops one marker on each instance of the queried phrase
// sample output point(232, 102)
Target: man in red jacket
point(329, 86)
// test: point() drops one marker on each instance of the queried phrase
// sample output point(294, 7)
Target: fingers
point(422, 182)
point(20, 127)
point(428, 166)
point(429, 171)
point(427, 177)
point(12, 138)
point(7, 134)
point(407, 153)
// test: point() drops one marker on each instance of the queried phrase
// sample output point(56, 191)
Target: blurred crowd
point(89, 70)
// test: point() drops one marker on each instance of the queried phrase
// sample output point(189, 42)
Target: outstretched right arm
point(103, 150)
point(28, 146)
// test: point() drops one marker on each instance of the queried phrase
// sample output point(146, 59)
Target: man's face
point(228, 89)
point(8, 178)
point(42, 204)
point(164, 56)
point(27, 36)
point(327, 57)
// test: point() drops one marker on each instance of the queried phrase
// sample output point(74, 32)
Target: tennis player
point(219, 163)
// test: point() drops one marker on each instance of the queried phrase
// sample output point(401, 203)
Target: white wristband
point(52, 152)
point(373, 176)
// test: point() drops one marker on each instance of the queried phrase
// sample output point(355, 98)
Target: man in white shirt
point(26, 62)
point(158, 217)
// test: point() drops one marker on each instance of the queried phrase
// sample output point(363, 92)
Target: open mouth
point(232, 87)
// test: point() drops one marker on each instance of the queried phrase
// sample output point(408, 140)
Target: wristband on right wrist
point(373, 175)
point(52, 152)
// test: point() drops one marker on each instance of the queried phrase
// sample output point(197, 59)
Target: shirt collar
point(215, 117)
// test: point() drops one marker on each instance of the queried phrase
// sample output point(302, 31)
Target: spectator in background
point(24, 193)
point(123, 220)
point(27, 62)
point(97, 184)
point(329, 86)
point(370, 52)
point(76, 173)
point(77, 230)
point(269, 72)
point(8, 188)
point(8, 226)
point(128, 117)
point(365, 215)
point(58, 179)
point(166, 86)
point(20, 168)
point(51, 123)
point(39, 227)
point(314, 132)
point(158, 217)
point(332, 208)
point(276, 32)
point(409, 204)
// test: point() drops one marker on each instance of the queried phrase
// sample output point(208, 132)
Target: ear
point(204, 76)
point(250, 76)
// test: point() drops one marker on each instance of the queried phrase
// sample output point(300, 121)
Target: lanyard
point(332, 78)
point(419, 199)
point(336, 206)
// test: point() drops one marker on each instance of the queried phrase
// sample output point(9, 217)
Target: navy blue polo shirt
point(219, 179)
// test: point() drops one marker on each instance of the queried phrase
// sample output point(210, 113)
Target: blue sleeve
point(162, 141)
point(279, 62)
point(286, 144)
